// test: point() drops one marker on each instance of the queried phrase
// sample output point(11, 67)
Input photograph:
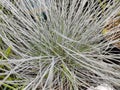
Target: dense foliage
point(58, 44)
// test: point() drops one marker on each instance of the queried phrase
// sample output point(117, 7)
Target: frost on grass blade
point(68, 51)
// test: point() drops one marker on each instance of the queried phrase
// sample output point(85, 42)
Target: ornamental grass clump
point(58, 44)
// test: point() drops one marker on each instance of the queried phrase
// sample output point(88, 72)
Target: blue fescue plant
point(59, 44)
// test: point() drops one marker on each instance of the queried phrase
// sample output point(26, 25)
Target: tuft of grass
point(58, 44)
